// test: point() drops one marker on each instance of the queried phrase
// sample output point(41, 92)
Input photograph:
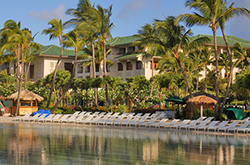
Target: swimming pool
point(67, 144)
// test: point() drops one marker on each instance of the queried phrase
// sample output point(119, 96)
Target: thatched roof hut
point(185, 99)
point(25, 95)
point(202, 100)
point(198, 99)
point(28, 102)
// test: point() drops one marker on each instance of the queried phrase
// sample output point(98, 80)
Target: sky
point(128, 16)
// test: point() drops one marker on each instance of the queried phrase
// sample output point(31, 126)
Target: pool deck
point(4, 119)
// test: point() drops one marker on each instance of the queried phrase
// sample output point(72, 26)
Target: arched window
point(129, 66)
point(120, 67)
point(138, 65)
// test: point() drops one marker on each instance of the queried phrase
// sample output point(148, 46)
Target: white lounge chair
point(109, 120)
point(145, 124)
point(201, 124)
point(176, 126)
point(23, 117)
point(138, 115)
point(203, 128)
point(46, 118)
point(137, 122)
point(94, 120)
point(101, 120)
point(155, 125)
point(192, 123)
point(119, 123)
point(215, 128)
point(78, 118)
point(165, 125)
point(71, 118)
point(32, 118)
point(40, 117)
point(232, 125)
point(64, 117)
point(90, 117)
point(56, 117)
point(241, 128)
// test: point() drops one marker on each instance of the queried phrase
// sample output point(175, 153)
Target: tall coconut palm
point(241, 56)
point(149, 40)
point(178, 44)
point(226, 15)
point(55, 31)
point(208, 13)
point(71, 40)
point(206, 58)
point(17, 40)
point(84, 17)
point(104, 28)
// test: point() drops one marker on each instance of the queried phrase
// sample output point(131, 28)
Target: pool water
point(67, 144)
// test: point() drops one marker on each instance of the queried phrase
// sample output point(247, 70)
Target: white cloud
point(57, 13)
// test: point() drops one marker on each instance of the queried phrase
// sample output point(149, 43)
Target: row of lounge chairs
point(140, 120)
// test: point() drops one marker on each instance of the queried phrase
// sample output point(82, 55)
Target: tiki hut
point(186, 99)
point(202, 101)
point(28, 102)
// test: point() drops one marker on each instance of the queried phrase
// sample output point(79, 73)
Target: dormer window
point(131, 49)
point(122, 50)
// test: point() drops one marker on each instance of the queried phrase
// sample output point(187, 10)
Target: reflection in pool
point(60, 144)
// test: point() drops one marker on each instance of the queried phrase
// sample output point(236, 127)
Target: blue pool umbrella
point(235, 112)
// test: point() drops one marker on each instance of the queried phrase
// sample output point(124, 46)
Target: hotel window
point(129, 66)
point(87, 69)
point(155, 65)
point(32, 71)
point(121, 50)
point(97, 67)
point(68, 66)
point(131, 49)
point(138, 65)
point(120, 67)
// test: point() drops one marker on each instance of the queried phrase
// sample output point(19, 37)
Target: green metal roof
point(123, 40)
point(220, 40)
point(231, 40)
point(53, 50)
point(129, 56)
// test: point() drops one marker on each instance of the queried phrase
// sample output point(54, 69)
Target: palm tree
point(17, 41)
point(85, 16)
point(104, 26)
point(226, 15)
point(206, 58)
point(72, 40)
point(55, 31)
point(149, 40)
point(176, 41)
point(208, 14)
point(241, 55)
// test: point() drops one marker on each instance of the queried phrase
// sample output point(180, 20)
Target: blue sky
point(128, 15)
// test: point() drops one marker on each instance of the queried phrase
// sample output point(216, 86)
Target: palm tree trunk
point(18, 81)
point(69, 83)
point(230, 72)
point(152, 85)
point(105, 73)
point(54, 76)
point(217, 72)
point(94, 72)
point(188, 84)
point(26, 75)
point(205, 78)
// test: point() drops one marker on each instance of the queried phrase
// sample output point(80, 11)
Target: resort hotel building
point(128, 59)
